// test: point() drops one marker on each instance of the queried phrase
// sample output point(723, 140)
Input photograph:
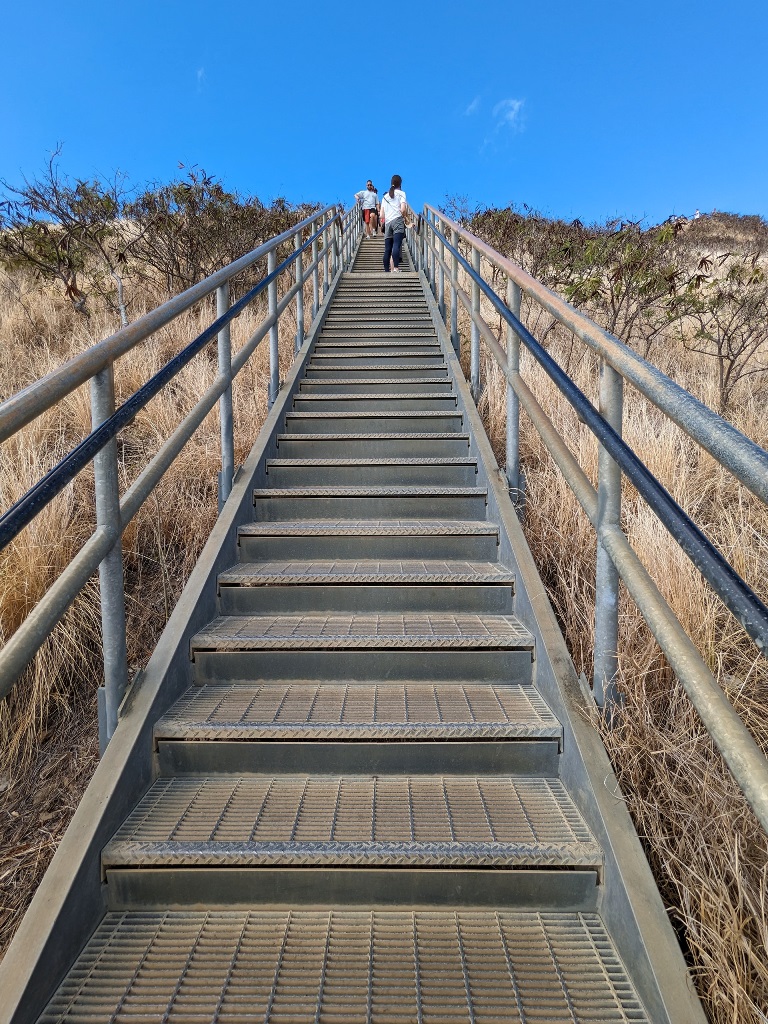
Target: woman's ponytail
point(397, 181)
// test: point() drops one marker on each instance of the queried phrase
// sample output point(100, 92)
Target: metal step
point(380, 357)
point(282, 503)
point(374, 446)
point(299, 820)
point(402, 370)
point(372, 402)
point(443, 472)
point(380, 728)
point(366, 585)
point(432, 712)
point(446, 646)
point(370, 538)
point(370, 384)
point(374, 423)
point(303, 965)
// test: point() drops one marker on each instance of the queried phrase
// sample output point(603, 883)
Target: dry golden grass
point(48, 725)
point(707, 851)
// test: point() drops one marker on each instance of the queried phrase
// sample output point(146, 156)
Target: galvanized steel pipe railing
point(616, 558)
point(331, 239)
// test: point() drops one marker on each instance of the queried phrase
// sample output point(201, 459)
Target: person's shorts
point(367, 215)
point(395, 227)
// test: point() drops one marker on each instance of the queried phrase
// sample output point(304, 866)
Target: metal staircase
point(358, 808)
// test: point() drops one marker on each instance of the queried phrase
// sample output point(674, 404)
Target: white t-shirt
point(392, 208)
point(370, 199)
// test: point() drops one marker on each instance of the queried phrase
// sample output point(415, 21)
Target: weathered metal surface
point(304, 965)
point(344, 630)
point(380, 711)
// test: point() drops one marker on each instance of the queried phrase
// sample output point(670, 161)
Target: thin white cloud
point(473, 107)
point(508, 114)
point(200, 78)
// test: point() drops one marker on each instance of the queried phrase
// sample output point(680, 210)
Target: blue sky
point(589, 109)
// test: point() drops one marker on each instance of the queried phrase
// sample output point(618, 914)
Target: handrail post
point(455, 339)
point(299, 294)
point(474, 372)
point(608, 517)
point(441, 276)
point(325, 254)
point(224, 339)
point(432, 251)
point(513, 402)
point(424, 244)
point(274, 351)
point(315, 273)
point(111, 584)
point(335, 249)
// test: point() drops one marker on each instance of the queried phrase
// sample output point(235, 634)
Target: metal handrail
point(746, 460)
point(332, 246)
point(603, 506)
point(34, 501)
point(738, 597)
point(27, 404)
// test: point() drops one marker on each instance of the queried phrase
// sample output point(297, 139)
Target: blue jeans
point(394, 233)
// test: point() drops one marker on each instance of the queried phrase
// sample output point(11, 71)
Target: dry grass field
point(706, 850)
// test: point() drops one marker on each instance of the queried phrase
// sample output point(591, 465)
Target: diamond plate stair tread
point(414, 367)
point(384, 415)
point(430, 967)
point(391, 820)
point(371, 527)
point(399, 461)
point(358, 711)
point(404, 490)
point(416, 630)
point(379, 396)
point(357, 571)
point(341, 381)
point(437, 436)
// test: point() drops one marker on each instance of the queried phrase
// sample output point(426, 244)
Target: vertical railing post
point(441, 274)
point(315, 272)
point(455, 339)
point(300, 293)
point(326, 233)
point(274, 349)
point(335, 250)
point(608, 518)
point(432, 250)
point(474, 371)
point(424, 250)
point(111, 584)
point(513, 402)
point(227, 473)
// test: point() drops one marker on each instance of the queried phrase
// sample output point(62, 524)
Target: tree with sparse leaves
point(70, 231)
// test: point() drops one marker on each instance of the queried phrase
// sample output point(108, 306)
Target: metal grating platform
point(345, 967)
point(245, 632)
point(430, 711)
point(385, 821)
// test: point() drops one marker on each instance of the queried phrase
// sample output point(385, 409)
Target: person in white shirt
point(369, 200)
point(393, 210)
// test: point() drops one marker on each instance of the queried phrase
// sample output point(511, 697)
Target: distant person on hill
point(369, 200)
point(393, 208)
